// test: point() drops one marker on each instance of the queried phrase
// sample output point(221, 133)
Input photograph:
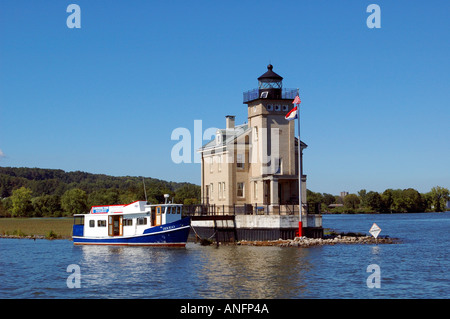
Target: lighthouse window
point(264, 95)
point(218, 138)
point(240, 161)
point(240, 189)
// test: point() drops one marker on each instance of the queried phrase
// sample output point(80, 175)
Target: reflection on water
point(140, 271)
point(253, 272)
point(195, 271)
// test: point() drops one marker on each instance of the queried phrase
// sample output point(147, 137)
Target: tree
point(362, 197)
point(188, 194)
point(398, 202)
point(21, 202)
point(3, 211)
point(338, 199)
point(312, 197)
point(373, 200)
point(351, 201)
point(47, 205)
point(439, 197)
point(387, 199)
point(129, 197)
point(328, 199)
point(104, 197)
point(413, 201)
point(74, 201)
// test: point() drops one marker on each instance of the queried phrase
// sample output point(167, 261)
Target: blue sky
point(105, 98)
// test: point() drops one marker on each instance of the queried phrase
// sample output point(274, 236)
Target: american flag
point(297, 100)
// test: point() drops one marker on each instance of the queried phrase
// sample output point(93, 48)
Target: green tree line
point(390, 201)
point(36, 192)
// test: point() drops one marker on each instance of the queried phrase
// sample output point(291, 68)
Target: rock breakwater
point(310, 242)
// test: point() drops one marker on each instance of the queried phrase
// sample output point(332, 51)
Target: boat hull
point(173, 235)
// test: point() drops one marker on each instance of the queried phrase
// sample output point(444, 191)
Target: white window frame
point(243, 190)
point(240, 161)
point(211, 191)
point(255, 133)
point(223, 190)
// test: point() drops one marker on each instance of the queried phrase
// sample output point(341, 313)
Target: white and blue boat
point(135, 224)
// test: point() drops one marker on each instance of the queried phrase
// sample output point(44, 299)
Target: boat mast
point(145, 191)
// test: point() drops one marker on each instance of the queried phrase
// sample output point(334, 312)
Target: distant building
point(343, 194)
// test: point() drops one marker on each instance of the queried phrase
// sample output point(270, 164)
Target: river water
point(418, 267)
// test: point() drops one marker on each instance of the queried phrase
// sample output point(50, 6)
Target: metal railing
point(286, 94)
point(248, 209)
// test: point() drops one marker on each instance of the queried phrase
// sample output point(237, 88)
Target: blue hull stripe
point(173, 234)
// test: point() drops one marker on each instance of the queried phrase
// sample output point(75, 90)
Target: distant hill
point(100, 189)
point(55, 181)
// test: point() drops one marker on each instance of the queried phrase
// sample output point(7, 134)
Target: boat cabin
point(124, 220)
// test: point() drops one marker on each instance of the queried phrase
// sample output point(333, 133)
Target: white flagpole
point(300, 204)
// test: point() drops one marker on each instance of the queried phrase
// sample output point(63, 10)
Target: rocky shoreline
point(309, 242)
point(34, 237)
point(23, 237)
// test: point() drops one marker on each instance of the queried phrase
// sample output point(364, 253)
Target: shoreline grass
point(51, 228)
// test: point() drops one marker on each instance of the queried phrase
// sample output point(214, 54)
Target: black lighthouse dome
point(271, 83)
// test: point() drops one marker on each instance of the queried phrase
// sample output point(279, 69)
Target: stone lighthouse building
point(256, 163)
point(249, 172)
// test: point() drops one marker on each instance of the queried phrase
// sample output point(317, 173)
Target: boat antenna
point(145, 191)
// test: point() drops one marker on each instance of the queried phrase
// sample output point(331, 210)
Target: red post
point(300, 230)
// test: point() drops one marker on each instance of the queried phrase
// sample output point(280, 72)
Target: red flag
point(297, 100)
point(292, 115)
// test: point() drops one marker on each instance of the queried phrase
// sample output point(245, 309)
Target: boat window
point(92, 223)
point(128, 222)
point(78, 220)
point(142, 221)
point(101, 223)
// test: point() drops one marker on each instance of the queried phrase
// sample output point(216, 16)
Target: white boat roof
point(132, 208)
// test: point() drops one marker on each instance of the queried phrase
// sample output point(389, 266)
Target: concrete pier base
point(255, 227)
